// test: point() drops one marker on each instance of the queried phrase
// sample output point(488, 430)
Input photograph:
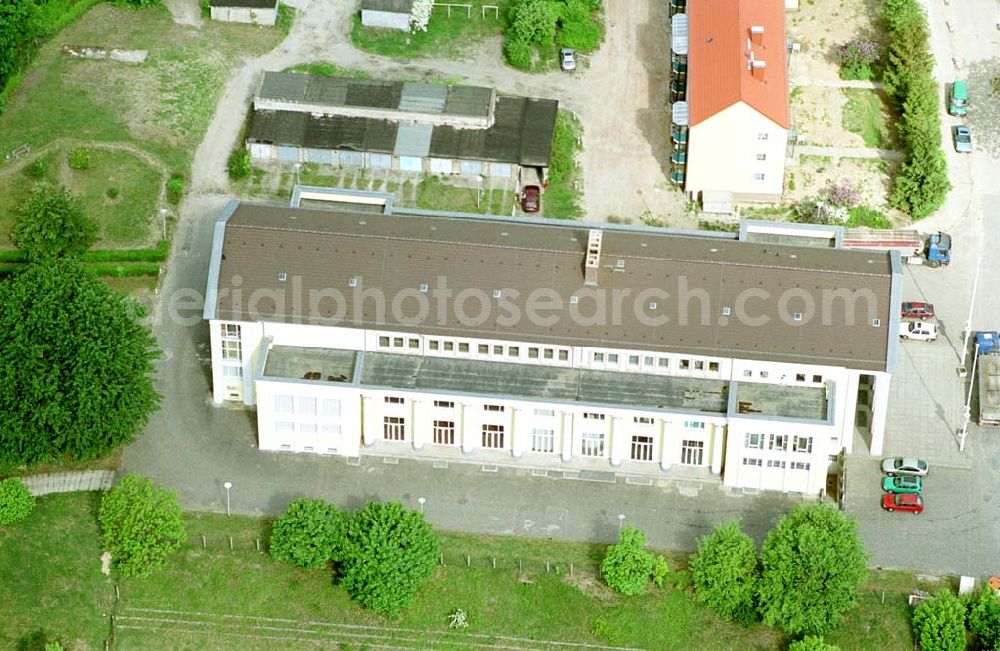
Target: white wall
point(722, 154)
point(825, 442)
point(244, 15)
point(385, 20)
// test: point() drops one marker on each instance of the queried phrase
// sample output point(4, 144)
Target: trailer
point(913, 246)
point(988, 376)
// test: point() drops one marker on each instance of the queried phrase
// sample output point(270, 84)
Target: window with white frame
point(307, 428)
point(692, 453)
point(751, 461)
point(383, 342)
point(694, 424)
point(593, 416)
point(800, 465)
point(331, 408)
point(284, 426)
point(493, 436)
point(232, 349)
point(444, 404)
point(778, 442)
point(394, 428)
point(663, 362)
point(545, 412)
point(229, 331)
point(642, 420)
point(232, 371)
point(543, 440)
point(802, 444)
point(612, 358)
point(563, 355)
point(444, 432)
point(599, 358)
point(284, 404)
point(331, 429)
point(499, 408)
point(592, 444)
point(642, 448)
point(753, 440)
point(774, 463)
point(393, 400)
point(307, 406)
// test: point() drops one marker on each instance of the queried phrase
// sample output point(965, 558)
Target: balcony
point(677, 7)
point(678, 156)
point(679, 135)
point(677, 176)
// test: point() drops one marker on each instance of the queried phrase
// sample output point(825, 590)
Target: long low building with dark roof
point(414, 127)
point(607, 349)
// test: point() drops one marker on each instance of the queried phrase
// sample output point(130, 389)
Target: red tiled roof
point(719, 75)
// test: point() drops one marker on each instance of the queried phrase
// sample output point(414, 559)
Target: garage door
point(411, 163)
point(442, 166)
point(471, 167)
point(352, 158)
point(500, 169)
point(324, 156)
point(380, 161)
point(288, 154)
point(261, 151)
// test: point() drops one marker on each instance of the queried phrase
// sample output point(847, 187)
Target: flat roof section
point(544, 383)
point(783, 401)
point(301, 363)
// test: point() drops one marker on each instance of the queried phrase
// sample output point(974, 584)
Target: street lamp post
point(421, 501)
point(621, 521)
point(227, 485)
point(968, 321)
point(163, 218)
point(967, 412)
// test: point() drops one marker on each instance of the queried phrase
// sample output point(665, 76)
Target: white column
point(371, 429)
point(566, 419)
point(619, 433)
point(520, 424)
point(471, 428)
point(849, 409)
point(666, 444)
point(717, 441)
point(420, 419)
point(880, 408)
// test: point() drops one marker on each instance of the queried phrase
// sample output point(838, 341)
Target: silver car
point(904, 466)
point(963, 139)
point(567, 59)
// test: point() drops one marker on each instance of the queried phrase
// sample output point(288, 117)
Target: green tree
point(939, 623)
point(813, 566)
point(75, 365)
point(725, 572)
point(907, 57)
point(309, 534)
point(984, 619)
point(239, 164)
point(52, 224)
point(627, 565)
point(18, 25)
point(388, 553)
point(922, 184)
point(812, 643)
point(141, 525)
point(16, 503)
point(533, 21)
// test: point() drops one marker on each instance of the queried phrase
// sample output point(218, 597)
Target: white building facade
point(351, 389)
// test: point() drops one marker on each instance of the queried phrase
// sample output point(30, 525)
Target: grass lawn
point(435, 194)
point(562, 198)
point(867, 115)
point(223, 599)
point(446, 36)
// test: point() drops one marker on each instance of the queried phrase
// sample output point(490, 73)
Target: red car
point(531, 198)
point(903, 502)
point(918, 310)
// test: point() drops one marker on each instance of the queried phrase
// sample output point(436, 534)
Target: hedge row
point(155, 254)
point(117, 270)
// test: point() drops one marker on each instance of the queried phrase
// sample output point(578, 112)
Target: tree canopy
point(812, 643)
point(813, 567)
point(627, 565)
point(389, 552)
point(309, 534)
point(726, 573)
point(939, 623)
point(141, 525)
point(75, 365)
point(984, 619)
point(52, 224)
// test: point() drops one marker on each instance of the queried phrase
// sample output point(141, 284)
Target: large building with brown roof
point(736, 110)
point(612, 349)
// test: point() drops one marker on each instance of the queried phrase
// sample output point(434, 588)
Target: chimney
point(757, 34)
point(757, 67)
point(593, 261)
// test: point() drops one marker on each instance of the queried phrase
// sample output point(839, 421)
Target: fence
point(495, 9)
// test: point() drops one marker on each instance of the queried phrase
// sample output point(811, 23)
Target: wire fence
point(460, 7)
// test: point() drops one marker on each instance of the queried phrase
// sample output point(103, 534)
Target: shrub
point(939, 623)
point(584, 34)
point(52, 224)
point(16, 502)
point(137, 4)
point(239, 164)
point(112, 193)
point(518, 54)
point(79, 159)
point(811, 643)
point(725, 572)
point(285, 17)
point(865, 216)
point(309, 534)
point(420, 15)
point(141, 525)
point(627, 565)
point(842, 194)
point(984, 619)
point(533, 22)
point(388, 553)
point(856, 58)
point(660, 571)
point(36, 170)
point(175, 189)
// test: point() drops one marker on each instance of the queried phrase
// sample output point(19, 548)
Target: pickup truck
point(919, 330)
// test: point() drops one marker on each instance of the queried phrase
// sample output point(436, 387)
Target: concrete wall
point(245, 15)
point(723, 151)
point(385, 20)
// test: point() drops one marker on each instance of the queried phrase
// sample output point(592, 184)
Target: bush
point(518, 54)
point(79, 159)
point(984, 619)
point(285, 17)
point(52, 224)
point(388, 553)
point(175, 189)
point(856, 58)
point(939, 623)
point(137, 4)
point(309, 534)
point(112, 193)
point(865, 216)
point(811, 643)
point(725, 572)
point(842, 194)
point(239, 164)
point(584, 34)
point(627, 565)
point(16, 503)
point(141, 525)
point(36, 170)
point(532, 22)
point(661, 571)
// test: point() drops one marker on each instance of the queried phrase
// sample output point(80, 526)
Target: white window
point(352, 281)
point(642, 448)
point(543, 440)
point(633, 360)
point(692, 453)
point(778, 442)
point(592, 444)
point(762, 136)
point(545, 412)
point(229, 331)
point(284, 426)
point(331, 408)
point(331, 429)
point(232, 371)
point(394, 428)
point(563, 355)
point(593, 416)
point(393, 400)
point(232, 349)
point(612, 358)
point(713, 367)
point(433, 344)
point(761, 156)
point(307, 428)
point(463, 347)
point(397, 342)
point(599, 357)
point(685, 364)
point(753, 440)
point(750, 461)
point(484, 349)
point(643, 420)
point(802, 444)
point(444, 404)
point(747, 373)
point(493, 437)
point(694, 424)
point(414, 343)
point(818, 379)
point(758, 177)
point(663, 362)
point(423, 288)
point(383, 342)
point(800, 465)
point(307, 406)
point(775, 464)
point(764, 374)
point(498, 408)
point(444, 432)
point(284, 404)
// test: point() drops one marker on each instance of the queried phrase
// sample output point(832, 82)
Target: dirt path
point(185, 12)
point(624, 133)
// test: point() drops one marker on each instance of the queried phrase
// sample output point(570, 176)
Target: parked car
point(903, 502)
point(959, 101)
point(903, 484)
point(531, 196)
point(963, 139)
point(917, 330)
point(915, 310)
point(904, 466)
point(567, 59)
